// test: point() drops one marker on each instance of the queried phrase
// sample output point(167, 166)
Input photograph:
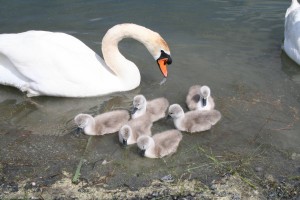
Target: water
point(232, 46)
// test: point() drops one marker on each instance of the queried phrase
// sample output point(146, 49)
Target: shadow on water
point(291, 68)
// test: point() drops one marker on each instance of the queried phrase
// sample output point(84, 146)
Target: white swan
point(58, 64)
point(291, 43)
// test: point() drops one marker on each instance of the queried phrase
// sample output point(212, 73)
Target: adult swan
point(58, 64)
point(292, 32)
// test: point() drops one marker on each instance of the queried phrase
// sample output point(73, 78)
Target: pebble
point(236, 197)
point(295, 156)
point(155, 194)
point(213, 187)
point(258, 169)
point(167, 178)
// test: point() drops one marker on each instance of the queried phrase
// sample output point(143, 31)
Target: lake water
point(233, 46)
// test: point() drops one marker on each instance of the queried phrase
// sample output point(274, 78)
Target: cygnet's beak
point(142, 152)
point(134, 109)
point(168, 117)
point(163, 61)
point(124, 142)
point(204, 101)
point(78, 130)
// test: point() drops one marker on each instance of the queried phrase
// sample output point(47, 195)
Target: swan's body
point(292, 32)
point(131, 131)
point(155, 108)
point(199, 98)
point(160, 145)
point(193, 121)
point(58, 64)
point(109, 122)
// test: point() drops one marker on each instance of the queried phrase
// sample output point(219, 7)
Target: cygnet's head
point(144, 142)
point(124, 134)
point(81, 120)
point(139, 103)
point(175, 111)
point(205, 93)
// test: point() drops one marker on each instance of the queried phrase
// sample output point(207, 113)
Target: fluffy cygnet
point(108, 122)
point(156, 108)
point(199, 98)
point(131, 131)
point(193, 121)
point(160, 145)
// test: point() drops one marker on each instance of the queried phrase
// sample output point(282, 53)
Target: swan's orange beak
point(164, 60)
point(162, 63)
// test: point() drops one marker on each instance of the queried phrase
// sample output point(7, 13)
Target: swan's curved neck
point(293, 6)
point(126, 70)
point(295, 2)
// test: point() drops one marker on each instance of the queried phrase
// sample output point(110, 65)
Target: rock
point(154, 194)
point(270, 178)
point(213, 187)
point(168, 178)
point(295, 156)
point(236, 197)
point(258, 169)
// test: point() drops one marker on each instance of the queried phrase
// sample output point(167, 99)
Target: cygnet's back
point(197, 121)
point(161, 144)
point(112, 121)
point(199, 98)
point(193, 121)
point(155, 108)
point(105, 123)
point(133, 129)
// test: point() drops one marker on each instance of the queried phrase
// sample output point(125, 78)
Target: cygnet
point(199, 98)
point(131, 131)
point(105, 123)
point(156, 108)
point(160, 145)
point(193, 121)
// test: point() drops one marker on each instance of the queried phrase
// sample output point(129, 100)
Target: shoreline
point(227, 187)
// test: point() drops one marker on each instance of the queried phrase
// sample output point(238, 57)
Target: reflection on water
point(291, 68)
point(231, 46)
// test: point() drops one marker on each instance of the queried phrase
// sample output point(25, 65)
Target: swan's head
point(139, 103)
point(159, 49)
point(124, 134)
point(164, 60)
point(175, 111)
point(145, 142)
point(205, 93)
point(155, 44)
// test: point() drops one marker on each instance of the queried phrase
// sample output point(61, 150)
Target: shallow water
point(232, 46)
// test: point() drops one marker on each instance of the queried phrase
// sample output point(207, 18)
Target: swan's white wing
point(52, 63)
point(292, 35)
